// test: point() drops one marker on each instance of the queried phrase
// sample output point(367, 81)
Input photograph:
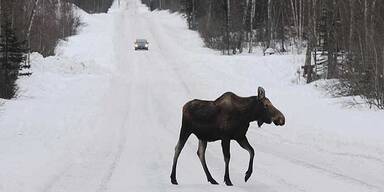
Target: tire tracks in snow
point(368, 157)
point(125, 85)
point(167, 60)
point(318, 168)
point(116, 159)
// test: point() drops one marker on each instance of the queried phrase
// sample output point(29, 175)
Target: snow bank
point(47, 125)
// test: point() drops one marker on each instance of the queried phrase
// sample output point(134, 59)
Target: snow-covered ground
point(100, 116)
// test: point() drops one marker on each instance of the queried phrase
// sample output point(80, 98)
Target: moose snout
point(280, 120)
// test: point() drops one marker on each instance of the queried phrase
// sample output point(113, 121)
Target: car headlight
point(136, 45)
point(146, 45)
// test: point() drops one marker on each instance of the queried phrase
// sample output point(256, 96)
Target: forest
point(342, 39)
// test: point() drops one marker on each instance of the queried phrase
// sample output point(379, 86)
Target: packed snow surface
point(100, 116)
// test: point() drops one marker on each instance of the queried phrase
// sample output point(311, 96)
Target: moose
point(227, 118)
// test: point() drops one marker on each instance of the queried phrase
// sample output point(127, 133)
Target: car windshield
point(141, 41)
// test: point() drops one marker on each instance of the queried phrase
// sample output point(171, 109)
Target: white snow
point(100, 116)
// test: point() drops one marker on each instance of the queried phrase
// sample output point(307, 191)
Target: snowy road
point(126, 138)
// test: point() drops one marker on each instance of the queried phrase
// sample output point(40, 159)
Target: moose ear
point(260, 93)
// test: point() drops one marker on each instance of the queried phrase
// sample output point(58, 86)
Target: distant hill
point(93, 6)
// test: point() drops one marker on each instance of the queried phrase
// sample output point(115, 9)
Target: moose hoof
point(213, 182)
point(174, 181)
point(247, 176)
point(228, 183)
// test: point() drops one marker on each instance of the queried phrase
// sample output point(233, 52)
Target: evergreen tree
point(12, 56)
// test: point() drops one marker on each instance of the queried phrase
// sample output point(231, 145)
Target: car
point(141, 44)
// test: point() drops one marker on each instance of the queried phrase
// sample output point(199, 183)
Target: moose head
point(267, 112)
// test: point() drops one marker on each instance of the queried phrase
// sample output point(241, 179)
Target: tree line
point(35, 26)
point(93, 6)
point(343, 39)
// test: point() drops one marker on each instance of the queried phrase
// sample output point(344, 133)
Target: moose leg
point(201, 154)
point(226, 151)
point(180, 144)
point(243, 142)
